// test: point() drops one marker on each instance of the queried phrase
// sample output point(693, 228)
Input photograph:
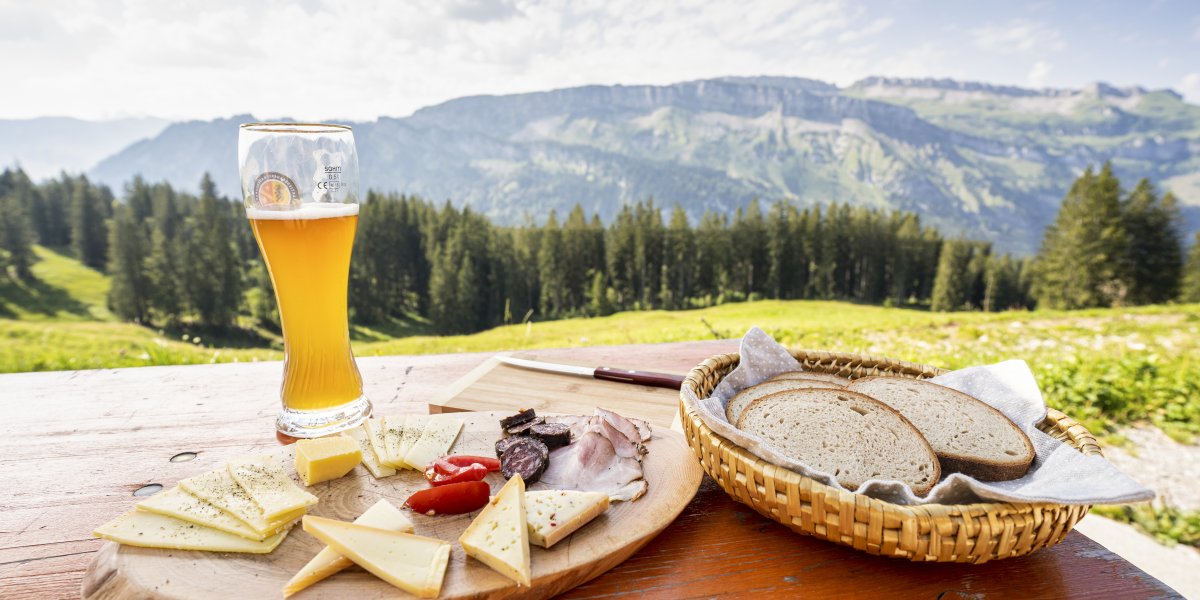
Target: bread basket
point(965, 533)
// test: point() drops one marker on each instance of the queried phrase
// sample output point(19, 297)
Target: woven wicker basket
point(967, 533)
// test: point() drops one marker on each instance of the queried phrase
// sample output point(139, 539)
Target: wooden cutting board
point(494, 385)
point(670, 469)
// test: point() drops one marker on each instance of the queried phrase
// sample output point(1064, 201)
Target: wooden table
point(75, 445)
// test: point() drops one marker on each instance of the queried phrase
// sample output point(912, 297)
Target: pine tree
point(1155, 253)
point(1082, 259)
point(1190, 290)
point(750, 267)
point(163, 271)
point(952, 286)
point(131, 285)
point(88, 210)
point(552, 269)
point(598, 302)
point(679, 261)
point(713, 249)
point(212, 272)
point(1001, 284)
point(16, 231)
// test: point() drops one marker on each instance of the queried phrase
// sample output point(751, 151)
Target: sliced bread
point(734, 409)
point(812, 376)
point(968, 436)
point(848, 435)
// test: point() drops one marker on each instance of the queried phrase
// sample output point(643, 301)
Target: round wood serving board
point(670, 469)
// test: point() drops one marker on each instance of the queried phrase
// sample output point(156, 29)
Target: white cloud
point(874, 27)
point(1189, 86)
point(1019, 36)
point(1039, 74)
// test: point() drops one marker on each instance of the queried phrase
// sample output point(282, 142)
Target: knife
point(650, 378)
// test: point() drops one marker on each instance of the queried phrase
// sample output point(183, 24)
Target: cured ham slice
point(604, 456)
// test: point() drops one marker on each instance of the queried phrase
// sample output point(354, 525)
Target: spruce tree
point(1155, 253)
point(1190, 290)
point(552, 268)
point(952, 285)
point(164, 274)
point(89, 237)
point(16, 231)
point(212, 272)
point(679, 261)
point(131, 285)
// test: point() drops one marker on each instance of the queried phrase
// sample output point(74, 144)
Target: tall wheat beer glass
point(300, 184)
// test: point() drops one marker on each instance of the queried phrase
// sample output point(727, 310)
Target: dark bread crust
point(981, 469)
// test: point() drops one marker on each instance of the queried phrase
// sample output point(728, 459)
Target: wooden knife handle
point(662, 380)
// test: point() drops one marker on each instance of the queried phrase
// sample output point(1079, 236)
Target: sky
point(349, 59)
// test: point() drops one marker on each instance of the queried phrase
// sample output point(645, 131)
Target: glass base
point(317, 423)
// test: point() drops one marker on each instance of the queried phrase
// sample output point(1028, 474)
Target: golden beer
point(307, 252)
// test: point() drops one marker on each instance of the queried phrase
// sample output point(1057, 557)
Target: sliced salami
point(503, 444)
point(523, 428)
point(526, 456)
point(554, 435)
point(524, 416)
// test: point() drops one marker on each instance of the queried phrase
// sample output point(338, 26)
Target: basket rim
point(1079, 438)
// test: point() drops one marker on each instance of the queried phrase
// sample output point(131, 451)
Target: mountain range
point(990, 162)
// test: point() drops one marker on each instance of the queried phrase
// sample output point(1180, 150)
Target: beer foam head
point(308, 210)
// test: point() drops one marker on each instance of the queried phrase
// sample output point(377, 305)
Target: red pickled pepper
point(450, 499)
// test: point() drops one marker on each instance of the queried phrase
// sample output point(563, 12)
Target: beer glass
point(300, 185)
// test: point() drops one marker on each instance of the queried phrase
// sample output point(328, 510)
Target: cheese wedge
point(218, 488)
point(328, 562)
point(375, 433)
point(414, 425)
point(436, 440)
point(554, 514)
point(369, 460)
point(327, 458)
point(499, 535)
point(269, 487)
point(412, 563)
point(152, 530)
point(181, 505)
point(393, 431)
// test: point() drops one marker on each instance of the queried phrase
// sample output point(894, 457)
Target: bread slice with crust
point(734, 409)
point(812, 376)
point(968, 436)
point(848, 435)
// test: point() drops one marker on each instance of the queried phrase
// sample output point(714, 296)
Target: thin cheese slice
point(181, 505)
point(152, 530)
point(436, 440)
point(393, 432)
point(218, 488)
point(499, 535)
point(269, 487)
point(554, 514)
point(414, 425)
point(412, 563)
point(375, 433)
point(328, 562)
point(369, 460)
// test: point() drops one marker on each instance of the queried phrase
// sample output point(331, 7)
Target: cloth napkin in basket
point(1059, 474)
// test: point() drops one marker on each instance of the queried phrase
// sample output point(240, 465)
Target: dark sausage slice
point(503, 444)
point(554, 435)
point(523, 428)
point(526, 456)
point(521, 417)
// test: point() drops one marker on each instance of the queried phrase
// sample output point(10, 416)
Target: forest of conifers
point(176, 257)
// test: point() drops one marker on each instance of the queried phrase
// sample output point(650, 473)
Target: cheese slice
point(328, 562)
point(218, 488)
point(554, 514)
point(436, 440)
point(393, 432)
point(327, 458)
point(269, 487)
point(499, 535)
point(412, 563)
point(414, 425)
point(152, 530)
point(369, 460)
point(181, 505)
point(375, 433)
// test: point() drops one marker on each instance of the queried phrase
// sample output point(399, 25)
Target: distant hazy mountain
point(47, 145)
point(989, 161)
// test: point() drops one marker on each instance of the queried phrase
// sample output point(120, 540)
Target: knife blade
point(649, 378)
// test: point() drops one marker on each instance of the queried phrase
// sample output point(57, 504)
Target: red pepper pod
point(463, 460)
point(474, 472)
point(450, 499)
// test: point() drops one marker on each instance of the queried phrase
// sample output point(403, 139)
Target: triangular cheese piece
point(219, 489)
point(328, 562)
point(413, 426)
point(393, 432)
point(412, 563)
point(179, 504)
point(269, 487)
point(436, 440)
point(499, 535)
point(152, 530)
point(554, 514)
point(369, 459)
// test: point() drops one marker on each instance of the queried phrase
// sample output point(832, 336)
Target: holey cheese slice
point(269, 487)
point(152, 530)
point(393, 432)
point(179, 504)
point(499, 535)
point(414, 425)
point(436, 440)
point(369, 459)
point(554, 514)
point(412, 563)
point(218, 488)
point(328, 562)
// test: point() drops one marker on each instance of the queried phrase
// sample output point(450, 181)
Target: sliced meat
point(523, 416)
point(526, 456)
point(554, 435)
point(620, 424)
point(503, 444)
point(591, 463)
point(522, 428)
